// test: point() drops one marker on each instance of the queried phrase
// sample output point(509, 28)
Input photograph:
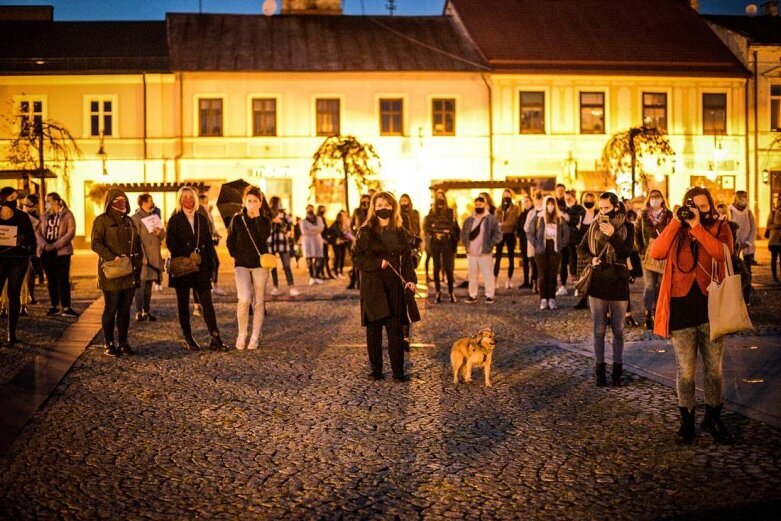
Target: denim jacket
point(492, 234)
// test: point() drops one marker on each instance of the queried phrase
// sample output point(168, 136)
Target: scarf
point(597, 240)
point(656, 217)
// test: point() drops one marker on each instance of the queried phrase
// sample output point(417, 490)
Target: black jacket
point(441, 225)
point(25, 237)
point(382, 292)
point(648, 230)
point(576, 214)
point(180, 240)
point(115, 234)
point(240, 244)
point(610, 281)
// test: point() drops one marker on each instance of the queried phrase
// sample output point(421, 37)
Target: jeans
point(315, 265)
point(526, 261)
point(508, 239)
point(748, 260)
point(340, 253)
point(651, 283)
point(481, 265)
point(183, 309)
point(57, 268)
point(395, 345)
point(284, 256)
point(144, 296)
point(564, 262)
point(250, 289)
point(444, 259)
point(14, 271)
point(548, 266)
point(599, 309)
point(324, 269)
point(686, 343)
point(116, 311)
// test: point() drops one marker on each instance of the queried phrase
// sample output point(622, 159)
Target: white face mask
point(551, 208)
point(656, 203)
point(48, 206)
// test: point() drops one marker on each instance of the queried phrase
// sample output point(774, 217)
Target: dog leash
point(403, 280)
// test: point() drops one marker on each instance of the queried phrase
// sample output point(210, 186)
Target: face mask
point(364, 204)
point(440, 203)
point(551, 208)
point(310, 212)
point(188, 204)
point(506, 201)
point(47, 206)
point(589, 205)
point(656, 203)
point(10, 204)
point(741, 204)
point(404, 207)
point(119, 205)
point(478, 211)
point(384, 213)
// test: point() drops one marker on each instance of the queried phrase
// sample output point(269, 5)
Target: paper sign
point(8, 235)
point(152, 222)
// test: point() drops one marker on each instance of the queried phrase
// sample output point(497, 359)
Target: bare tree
point(624, 151)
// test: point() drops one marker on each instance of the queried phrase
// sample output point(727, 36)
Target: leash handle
point(404, 282)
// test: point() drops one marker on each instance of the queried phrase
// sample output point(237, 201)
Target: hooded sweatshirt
point(115, 234)
point(747, 228)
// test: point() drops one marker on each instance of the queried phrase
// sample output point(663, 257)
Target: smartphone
point(603, 219)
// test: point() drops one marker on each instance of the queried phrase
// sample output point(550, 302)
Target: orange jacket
point(676, 283)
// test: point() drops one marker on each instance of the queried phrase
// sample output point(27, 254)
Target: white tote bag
point(727, 311)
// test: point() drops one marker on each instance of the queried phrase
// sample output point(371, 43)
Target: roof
point(764, 30)
point(596, 36)
point(216, 42)
point(82, 47)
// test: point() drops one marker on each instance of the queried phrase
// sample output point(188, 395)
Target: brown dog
point(470, 352)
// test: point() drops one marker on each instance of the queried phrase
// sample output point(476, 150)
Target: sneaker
point(453, 298)
point(253, 343)
point(197, 311)
point(552, 304)
point(543, 304)
point(294, 292)
point(111, 350)
point(508, 284)
point(53, 311)
point(318, 281)
point(216, 290)
point(23, 312)
point(561, 292)
point(157, 287)
point(32, 301)
point(241, 342)
point(126, 350)
point(140, 316)
point(68, 312)
point(275, 292)
point(471, 300)
point(489, 300)
point(577, 293)
point(311, 281)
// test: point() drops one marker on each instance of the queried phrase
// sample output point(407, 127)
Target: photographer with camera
point(689, 244)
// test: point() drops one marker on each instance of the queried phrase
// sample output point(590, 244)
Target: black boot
point(189, 343)
point(438, 297)
point(217, 344)
point(687, 433)
point(125, 349)
point(649, 321)
point(615, 376)
point(600, 374)
point(630, 321)
point(111, 350)
point(712, 424)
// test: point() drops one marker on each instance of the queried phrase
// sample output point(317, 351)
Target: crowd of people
point(595, 246)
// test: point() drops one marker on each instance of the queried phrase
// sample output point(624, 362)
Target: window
point(592, 112)
point(210, 117)
point(30, 115)
point(775, 108)
point(655, 110)
point(392, 117)
point(101, 117)
point(264, 117)
point(532, 113)
point(443, 117)
point(328, 121)
point(714, 113)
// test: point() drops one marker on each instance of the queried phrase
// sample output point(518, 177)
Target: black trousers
point(36, 270)
point(393, 327)
point(775, 250)
point(207, 308)
point(144, 296)
point(444, 259)
point(526, 261)
point(340, 253)
point(14, 271)
point(508, 239)
point(116, 312)
point(548, 264)
point(564, 264)
point(324, 269)
point(58, 269)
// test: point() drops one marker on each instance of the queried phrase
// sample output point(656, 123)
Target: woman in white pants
point(249, 230)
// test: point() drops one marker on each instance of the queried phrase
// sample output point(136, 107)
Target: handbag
point(651, 264)
point(584, 282)
point(727, 311)
point(267, 260)
point(181, 266)
point(121, 265)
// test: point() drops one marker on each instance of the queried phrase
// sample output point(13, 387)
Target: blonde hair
point(180, 194)
point(373, 221)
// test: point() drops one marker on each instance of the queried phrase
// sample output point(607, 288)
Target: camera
point(685, 212)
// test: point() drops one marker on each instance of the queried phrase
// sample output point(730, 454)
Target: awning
point(34, 174)
point(199, 187)
point(516, 184)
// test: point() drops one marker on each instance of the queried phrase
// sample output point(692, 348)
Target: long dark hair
point(694, 191)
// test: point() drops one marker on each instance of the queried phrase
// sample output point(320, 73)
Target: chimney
point(770, 8)
point(23, 13)
point(325, 7)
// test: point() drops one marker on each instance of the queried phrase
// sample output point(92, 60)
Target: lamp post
point(103, 157)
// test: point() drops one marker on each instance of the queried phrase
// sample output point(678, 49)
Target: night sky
point(156, 9)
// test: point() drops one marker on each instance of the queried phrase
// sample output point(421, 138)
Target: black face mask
point(707, 218)
point(506, 201)
point(589, 205)
point(404, 207)
point(384, 213)
point(11, 204)
point(440, 203)
point(478, 211)
point(364, 204)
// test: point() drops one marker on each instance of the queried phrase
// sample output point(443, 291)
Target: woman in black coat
point(187, 233)
point(382, 254)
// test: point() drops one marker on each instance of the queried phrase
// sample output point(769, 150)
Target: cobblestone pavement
point(295, 430)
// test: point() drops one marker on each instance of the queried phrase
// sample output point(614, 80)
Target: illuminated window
point(443, 117)
point(30, 115)
point(392, 117)
point(655, 110)
point(592, 112)
point(775, 108)
point(101, 117)
point(264, 117)
point(714, 113)
point(210, 117)
point(328, 119)
point(532, 113)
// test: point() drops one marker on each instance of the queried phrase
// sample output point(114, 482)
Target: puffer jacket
point(115, 235)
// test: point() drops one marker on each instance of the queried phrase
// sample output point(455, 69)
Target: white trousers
point(251, 289)
point(482, 265)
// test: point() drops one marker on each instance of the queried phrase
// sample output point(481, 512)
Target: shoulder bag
point(584, 282)
point(181, 266)
point(121, 265)
point(727, 311)
point(267, 260)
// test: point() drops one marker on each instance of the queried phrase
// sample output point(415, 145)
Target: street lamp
point(103, 156)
